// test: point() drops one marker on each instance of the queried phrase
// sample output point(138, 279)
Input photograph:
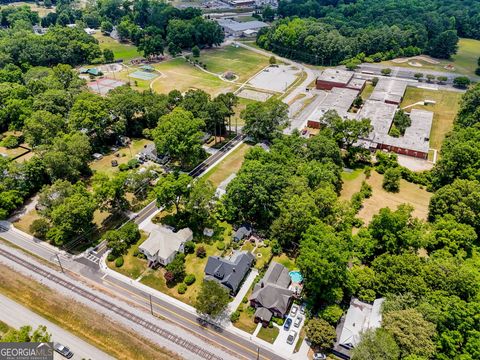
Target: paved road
point(17, 315)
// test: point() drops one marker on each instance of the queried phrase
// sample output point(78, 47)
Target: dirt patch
point(254, 95)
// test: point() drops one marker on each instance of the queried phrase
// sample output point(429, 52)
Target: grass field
point(133, 266)
point(178, 74)
point(243, 62)
point(286, 261)
point(122, 51)
point(232, 163)
point(81, 320)
point(409, 194)
point(268, 334)
point(40, 9)
point(465, 61)
point(445, 110)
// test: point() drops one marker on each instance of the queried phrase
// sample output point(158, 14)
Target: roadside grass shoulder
point(231, 164)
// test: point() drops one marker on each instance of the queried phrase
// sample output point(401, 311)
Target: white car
point(291, 337)
point(293, 311)
point(319, 356)
point(298, 321)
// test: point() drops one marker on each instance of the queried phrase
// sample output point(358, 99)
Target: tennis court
point(143, 75)
point(103, 86)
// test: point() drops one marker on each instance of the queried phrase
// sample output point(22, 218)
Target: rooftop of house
point(233, 25)
point(164, 242)
point(229, 272)
point(336, 76)
point(359, 318)
point(242, 232)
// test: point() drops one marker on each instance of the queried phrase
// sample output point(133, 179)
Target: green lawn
point(125, 154)
point(445, 110)
point(178, 74)
point(367, 91)
point(268, 334)
point(122, 51)
point(243, 62)
point(464, 61)
point(231, 164)
point(264, 259)
point(286, 261)
point(133, 266)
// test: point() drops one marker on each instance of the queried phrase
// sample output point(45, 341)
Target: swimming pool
point(296, 276)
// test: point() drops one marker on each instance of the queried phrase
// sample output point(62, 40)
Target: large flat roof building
point(232, 27)
point(330, 78)
point(390, 91)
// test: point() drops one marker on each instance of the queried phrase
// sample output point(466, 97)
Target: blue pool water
point(296, 276)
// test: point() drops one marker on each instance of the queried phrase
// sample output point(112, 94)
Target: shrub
point(270, 325)
point(136, 252)
point(391, 180)
point(221, 246)
point(169, 277)
point(110, 257)
point(244, 300)
point(10, 142)
point(39, 228)
point(374, 81)
point(189, 279)
point(195, 51)
point(119, 261)
point(201, 252)
point(133, 163)
point(189, 247)
point(182, 288)
point(123, 167)
point(235, 316)
point(278, 321)
point(368, 172)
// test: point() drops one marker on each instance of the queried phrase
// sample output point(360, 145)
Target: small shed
point(147, 68)
point(243, 232)
point(94, 72)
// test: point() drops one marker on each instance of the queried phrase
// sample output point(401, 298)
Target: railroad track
point(186, 344)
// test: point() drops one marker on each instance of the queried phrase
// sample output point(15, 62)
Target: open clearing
point(83, 321)
point(409, 194)
point(445, 110)
point(231, 164)
point(122, 51)
point(242, 62)
point(464, 61)
point(41, 10)
point(178, 74)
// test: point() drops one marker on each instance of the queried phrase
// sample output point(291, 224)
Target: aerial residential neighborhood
point(240, 179)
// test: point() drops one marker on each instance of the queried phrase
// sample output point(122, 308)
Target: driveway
point(281, 344)
point(16, 316)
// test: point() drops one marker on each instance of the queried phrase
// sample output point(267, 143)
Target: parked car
point(291, 337)
point(287, 323)
point(62, 350)
point(298, 321)
point(293, 311)
point(302, 310)
point(319, 356)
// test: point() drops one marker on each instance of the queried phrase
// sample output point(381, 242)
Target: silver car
point(291, 337)
point(298, 321)
point(293, 311)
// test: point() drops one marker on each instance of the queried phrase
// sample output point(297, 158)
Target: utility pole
point(61, 267)
point(151, 305)
point(258, 353)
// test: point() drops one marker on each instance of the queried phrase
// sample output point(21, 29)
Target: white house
point(163, 244)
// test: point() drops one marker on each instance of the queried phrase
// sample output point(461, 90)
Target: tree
point(346, 132)
point(413, 334)
point(172, 190)
point(430, 78)
point(196, 51)
point(418, 76)
point(177, 268)
point(212, 300)
point(444, 45)
point(320, 333)
point(263, 121)
point(178, 135)
point(272, 60)
point(106, 27)
point(24, 334)
point(110, 192)
point(108, 55)
point(115, 243)
point(391, 180)
point(442, 79)
point(268, 14)
point(376, 345)
point(199, 205)
point(174, 49)
point(42, 127)
point(461, 81)
point(323, 259)
point(386, 72)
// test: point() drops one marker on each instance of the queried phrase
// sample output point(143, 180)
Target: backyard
point(445, 109)
point(409, 193)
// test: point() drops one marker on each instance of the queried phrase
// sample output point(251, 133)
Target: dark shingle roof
point(229, 273)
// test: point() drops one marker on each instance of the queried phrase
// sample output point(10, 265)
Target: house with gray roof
point(272, 295)
point(229, 272)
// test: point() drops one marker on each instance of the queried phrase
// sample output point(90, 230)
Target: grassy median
point(84, 322)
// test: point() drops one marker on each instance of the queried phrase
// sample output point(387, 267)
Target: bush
point(10, 142)
point(278, 321)
point(119, 262)
point(110, 257)
point(189, 279)
point(235, 316)
point(270, 325)
point(123, 167)
point(221, 246)
point(136, 252)
point(189, 247)
point(195, 51)
point(201, 252)
point(182, 288)
point(244, 300)
point(375, 81)
point(39, 228)
point(133, 163)
point(169, 277)
point(391, 180)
